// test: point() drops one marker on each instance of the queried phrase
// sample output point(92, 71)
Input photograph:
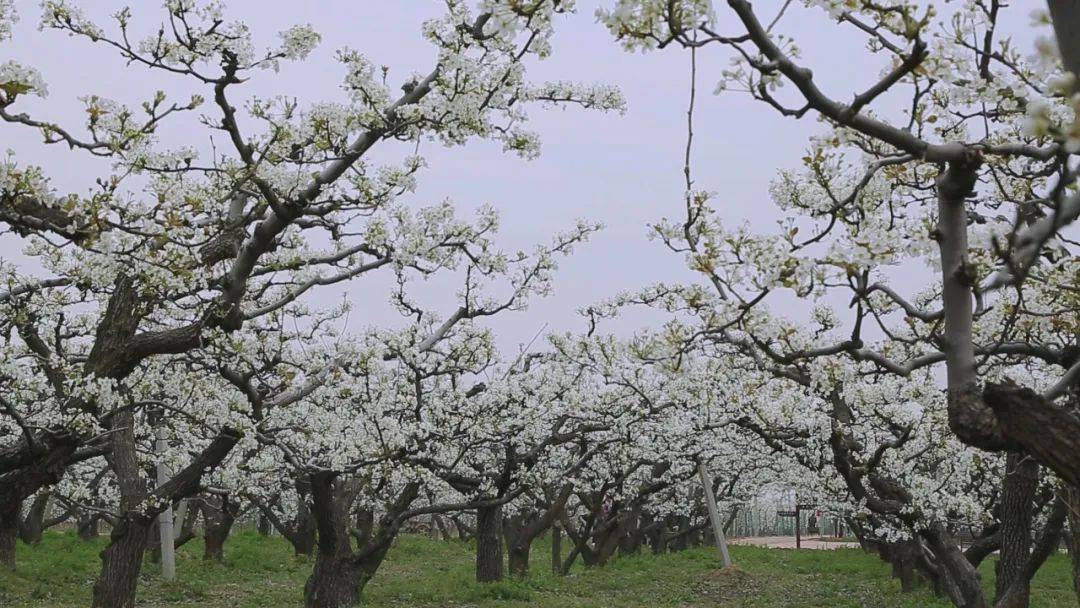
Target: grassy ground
point(424, 573)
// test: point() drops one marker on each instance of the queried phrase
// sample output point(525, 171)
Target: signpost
point(798, 521)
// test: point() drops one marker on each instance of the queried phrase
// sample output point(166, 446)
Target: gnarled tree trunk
point(340, 574)
point(334, 579)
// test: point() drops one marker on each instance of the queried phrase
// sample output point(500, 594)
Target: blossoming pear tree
point(174, 248)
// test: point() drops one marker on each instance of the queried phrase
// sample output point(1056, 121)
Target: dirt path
point(788, 542)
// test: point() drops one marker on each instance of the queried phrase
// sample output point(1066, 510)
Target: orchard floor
point(424, 573)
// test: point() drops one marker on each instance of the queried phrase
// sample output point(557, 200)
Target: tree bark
point(26, 469)
point(218, 517)
point(1066, 18)
point(489, 553)
point(33, 525)
point(961, 579)
point(518, 544)
point(121, 562)
point(464, 532)
point(264, 525)
point(526, 526)
point(989, 541)
point(122, 559)
point(340, 575)
point(1017, 511)
point(9, 532)
point(334, 579)
point(88, 527)
point(1047, 544)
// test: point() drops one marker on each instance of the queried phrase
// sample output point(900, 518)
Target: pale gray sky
point(622, 170)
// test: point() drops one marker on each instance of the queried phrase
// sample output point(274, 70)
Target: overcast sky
point(622, 170)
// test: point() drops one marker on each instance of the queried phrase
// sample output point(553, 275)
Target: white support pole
point(179, 516)
point(714, 515)
point(165, 520)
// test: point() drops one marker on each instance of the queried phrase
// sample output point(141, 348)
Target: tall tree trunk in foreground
point(1017, 511)
point(489, 553)
point(121, 562)
point(1047, 543)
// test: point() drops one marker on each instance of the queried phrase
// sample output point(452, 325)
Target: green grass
point(420, 572)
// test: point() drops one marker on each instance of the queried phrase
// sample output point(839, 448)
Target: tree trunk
point(153, 545)
point(1047, 544)
point(489, 554)
point(334, 579)
point(960, 579)
point(903, 557)
point(121, 562)
point(187, 524)
point(264, 525)
point(518, 543)
point(340, 575)
point(300, 532)
point(633, 535)
point(218, 517)
point(464, 532)
point(656, 536)
point(9, 532)
point(88, 527)
point(1072, 501)
point(18, 485)
point(33, 525)
point(1017, 510)
point(556, 549)
point(303, 537)
point(444, 530)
